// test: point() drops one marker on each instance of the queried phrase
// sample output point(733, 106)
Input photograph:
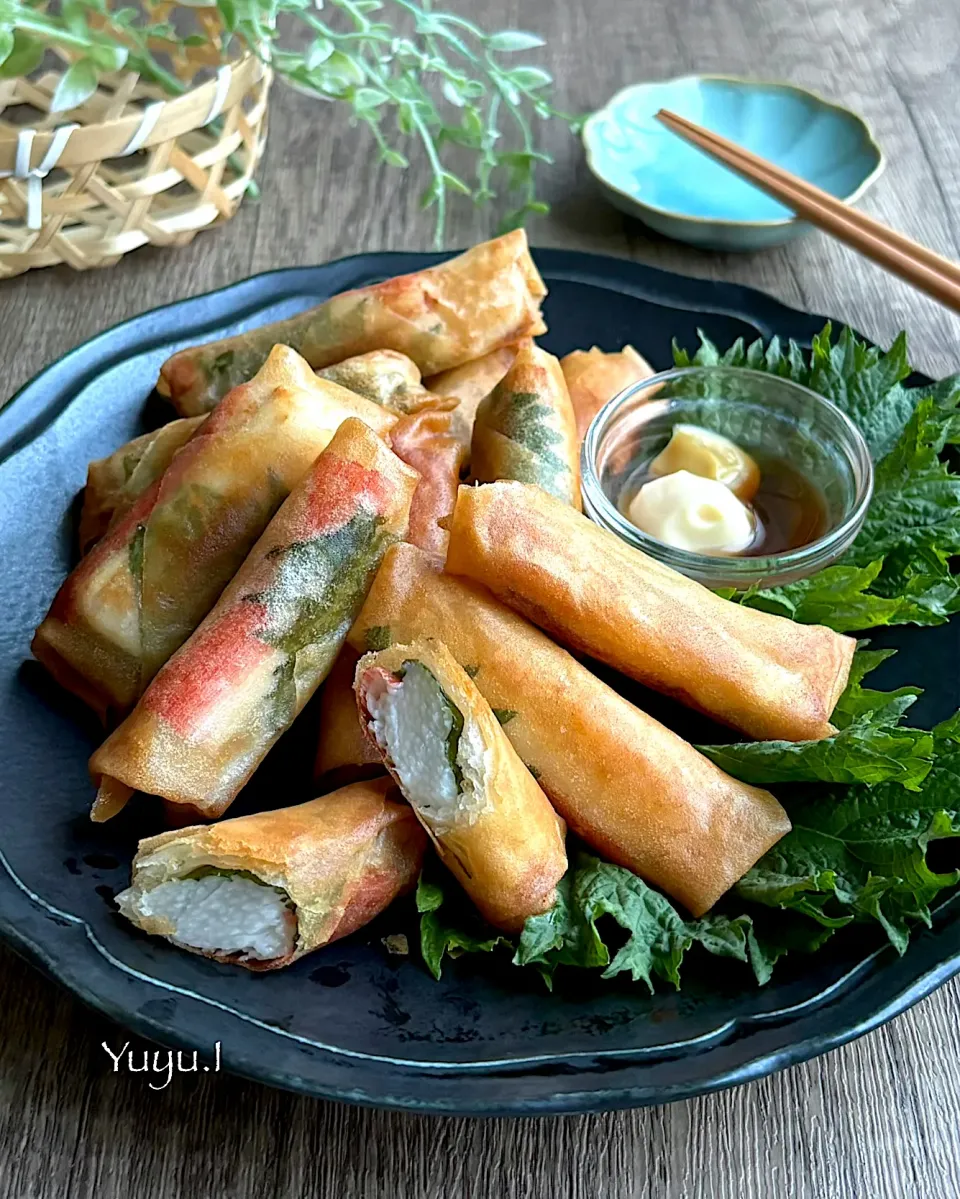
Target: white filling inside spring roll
point(215, 914)
point(412, 722)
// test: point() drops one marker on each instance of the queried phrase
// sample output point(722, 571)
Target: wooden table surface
point(880, 1117)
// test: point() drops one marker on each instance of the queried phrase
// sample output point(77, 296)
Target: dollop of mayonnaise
point(703, 452)
point(692, 513)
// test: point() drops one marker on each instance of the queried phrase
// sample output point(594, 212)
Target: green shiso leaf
point(861, 853)
point(658, 936)
point(870, 745)
point(855, 854)
point(897, 571)
point(441, 936)
point(850, 598)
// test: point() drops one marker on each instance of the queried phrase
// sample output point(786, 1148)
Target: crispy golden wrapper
point(380, 375)
point(142, 590)
point(344, 752)
point(340, 861)
point(632, 789)
point(212, 713)
point(471, 383)
point(500, 837)
point(595, 377)
point(442, 317)
point(114, 483)
point(386, 377)
point(764, 675)
point(427, 442)
point(526, 429)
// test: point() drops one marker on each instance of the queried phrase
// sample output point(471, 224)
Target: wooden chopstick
point(919, 266)
point(715, 144)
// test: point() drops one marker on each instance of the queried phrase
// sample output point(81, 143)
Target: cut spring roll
point(442, 317)
point(525, 429)
point(142, 590)
point(631, 788)
point(209, 717)
point(262, 891)
point(344, 752)
point(492, 825)
point(115, 482)
point(761, 674)
point(595, 377)
point(427, 442)
point(387, 378)
point(469, 384)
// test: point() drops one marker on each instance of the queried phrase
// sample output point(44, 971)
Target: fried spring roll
point(209, 717)
point(427, 442)
point(471, 383)
point(262, 891)
point(387, 378)
point(442, 317)
point(631, 788)
point(761, 674)
point(492, 825)
point(344, 753)
point(115, 482)
point(594, 378)
point(526, 430)
point(140, 593)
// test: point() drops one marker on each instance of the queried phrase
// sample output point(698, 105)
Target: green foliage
point(897, 571)
point(657, 935)
point(440, 936)
point(870, 745)
point(861, 853)
point(406, 70)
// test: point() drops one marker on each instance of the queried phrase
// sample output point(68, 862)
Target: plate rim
point(20, 908)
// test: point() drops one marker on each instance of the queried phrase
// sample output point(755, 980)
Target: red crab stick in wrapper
point(426, 442)
point(209, 717)
point(140, 593)
point(386, 378)
point(262, 891)
point(442, 317)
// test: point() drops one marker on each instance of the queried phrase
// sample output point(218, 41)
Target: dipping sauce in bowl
point(784, 509)
point(733, 477)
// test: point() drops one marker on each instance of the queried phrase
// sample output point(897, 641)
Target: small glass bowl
point(761, 413)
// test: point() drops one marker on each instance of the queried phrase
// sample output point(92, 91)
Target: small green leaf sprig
point(408, 72)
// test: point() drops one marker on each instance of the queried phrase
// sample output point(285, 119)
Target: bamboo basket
point(128, 167)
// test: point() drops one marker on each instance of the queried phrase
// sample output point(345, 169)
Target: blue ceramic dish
point(352, 1022)
point(649, 172)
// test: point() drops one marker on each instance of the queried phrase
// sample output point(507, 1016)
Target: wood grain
point(877, 1118)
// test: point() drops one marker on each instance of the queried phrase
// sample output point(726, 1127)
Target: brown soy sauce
point(790, 510)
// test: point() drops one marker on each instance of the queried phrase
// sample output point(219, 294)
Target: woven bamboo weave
point(100, 200)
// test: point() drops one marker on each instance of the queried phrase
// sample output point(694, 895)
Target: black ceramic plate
point(350, 1022)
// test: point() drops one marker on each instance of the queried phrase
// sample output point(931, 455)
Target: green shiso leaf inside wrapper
point(867, 803)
